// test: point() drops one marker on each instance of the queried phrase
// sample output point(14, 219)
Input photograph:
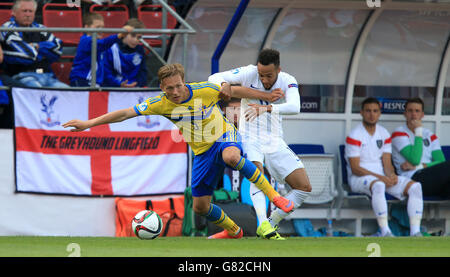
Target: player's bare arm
point(389, 170)
point(111, 117)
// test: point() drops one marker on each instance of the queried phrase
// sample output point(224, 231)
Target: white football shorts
point(361, 184)
point(279, 159)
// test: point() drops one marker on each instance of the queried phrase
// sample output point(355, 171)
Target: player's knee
point(413, 189)
point(231, 158)
point(200, 208)
point(378, 187)
point(304, 186)
point(307, 187)
point(298, 179)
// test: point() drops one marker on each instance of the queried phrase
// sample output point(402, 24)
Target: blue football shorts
point(208, 167)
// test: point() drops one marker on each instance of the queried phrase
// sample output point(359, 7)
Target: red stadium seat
point(115, 16)
point(151, 16)
point(5, 12)
point(62, 70)
point(60, 15)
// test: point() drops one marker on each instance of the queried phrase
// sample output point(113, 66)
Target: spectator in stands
point(370, 170)
point(80, 75)
point(417, 154)
point(5, 79)
point(124, 63)
point(28, 55)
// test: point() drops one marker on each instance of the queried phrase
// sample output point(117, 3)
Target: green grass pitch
point(27, 246)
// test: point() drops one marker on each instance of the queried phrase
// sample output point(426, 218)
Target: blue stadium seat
point(307, 148)
point(446, 150)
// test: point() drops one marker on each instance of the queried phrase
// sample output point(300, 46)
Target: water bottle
point(330, 228)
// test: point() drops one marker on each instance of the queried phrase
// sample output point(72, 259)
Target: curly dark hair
point(269, 56)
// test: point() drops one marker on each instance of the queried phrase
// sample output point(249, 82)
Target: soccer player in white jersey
point(417, 154)
point(262, 134)
point(370, 170)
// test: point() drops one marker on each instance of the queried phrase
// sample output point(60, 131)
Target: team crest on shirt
point(379, 143)
point(143, 106)
point(48, 116)
point(426, 142)
point(146, 121)
point(137, 59)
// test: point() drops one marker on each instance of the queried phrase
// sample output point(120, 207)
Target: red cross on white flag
point(134, 157)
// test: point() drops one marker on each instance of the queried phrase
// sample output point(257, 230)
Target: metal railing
point(185, 31)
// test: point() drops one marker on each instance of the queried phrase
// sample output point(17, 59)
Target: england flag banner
point(143, 155)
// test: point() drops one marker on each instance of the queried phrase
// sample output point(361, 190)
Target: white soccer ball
point(146, 224)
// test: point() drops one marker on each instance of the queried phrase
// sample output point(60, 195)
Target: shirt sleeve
point(110, 78)
point(105, 43)
point(234, 76)
point(142, 73)
point(149, 106)
point(436, 154)
point(50, 46)
point(15, 50)
point(352, 146)
point(387, 142)
point(292, 96)
point(412, 153)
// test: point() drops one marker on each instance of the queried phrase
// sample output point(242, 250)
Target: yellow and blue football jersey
point(198, 118)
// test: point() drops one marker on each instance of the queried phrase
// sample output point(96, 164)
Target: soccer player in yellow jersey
point(194, 109)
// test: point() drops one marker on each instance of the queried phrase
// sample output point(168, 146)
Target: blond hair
point(170, 70)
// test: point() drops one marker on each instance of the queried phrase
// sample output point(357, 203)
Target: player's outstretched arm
point(244, 92)
point(111, 117)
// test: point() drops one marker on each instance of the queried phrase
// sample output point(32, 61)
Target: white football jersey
point(402, 137)
point(268, 125)
point(369, 148)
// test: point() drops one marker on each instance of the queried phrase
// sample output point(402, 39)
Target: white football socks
point(259, 203)
point(297, 197)
point(415, 207)
point(379, 206)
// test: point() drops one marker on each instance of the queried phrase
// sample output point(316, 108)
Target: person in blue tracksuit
point(124, 63)
point(81, 75)
point(28, 55)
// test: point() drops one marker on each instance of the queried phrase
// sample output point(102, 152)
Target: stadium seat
point(115, 16)
point(307, 148)
point(446, 150)
point(320, 170)
point(62, 70)
point(151, 16)
point(5, 12)
point(61, 15)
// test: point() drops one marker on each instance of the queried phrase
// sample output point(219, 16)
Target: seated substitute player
point(261, 129)
point(370, 170)
point(417, 154)
point(194, 109)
